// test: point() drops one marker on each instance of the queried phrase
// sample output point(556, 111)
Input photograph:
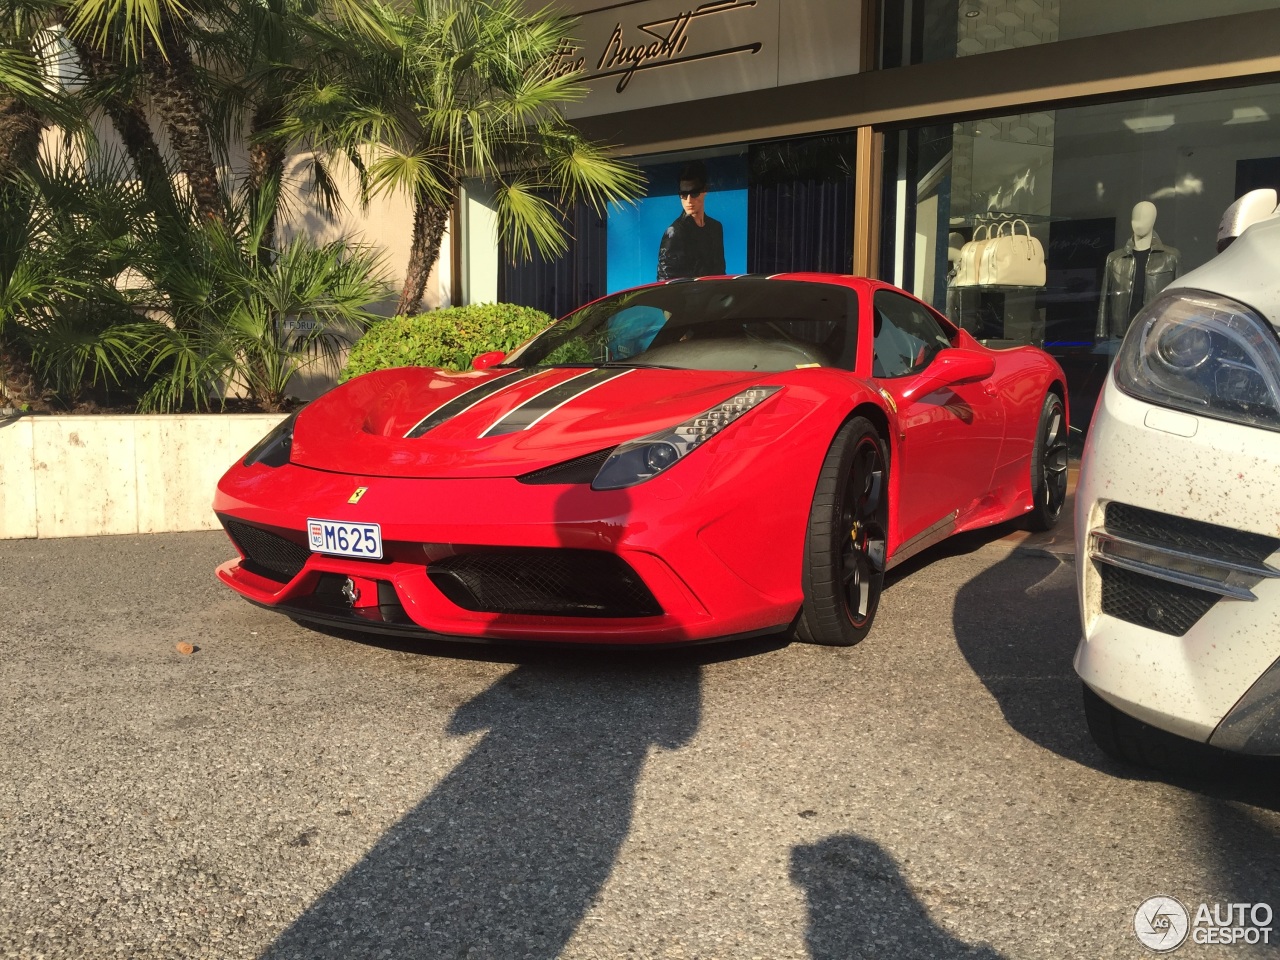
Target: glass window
point(772, 207)
point(929, 30)
point(1055, 227)
point(907, 336)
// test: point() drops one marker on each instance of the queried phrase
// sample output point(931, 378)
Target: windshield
point(745, 324)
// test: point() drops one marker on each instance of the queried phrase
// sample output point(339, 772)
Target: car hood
point(1248, 271)
point(502, 422)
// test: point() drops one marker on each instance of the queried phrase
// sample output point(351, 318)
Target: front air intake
point(1170, 608)
point(1165, 572)
point(553, 582)
point(1193, 536)
point(265, 553)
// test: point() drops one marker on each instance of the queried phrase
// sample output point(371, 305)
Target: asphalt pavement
point(282, 793)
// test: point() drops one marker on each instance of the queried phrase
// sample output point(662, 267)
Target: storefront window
point(926, 30)
point(762, 208)
point(1054, 227)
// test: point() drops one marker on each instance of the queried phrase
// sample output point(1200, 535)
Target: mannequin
point(1143, 256)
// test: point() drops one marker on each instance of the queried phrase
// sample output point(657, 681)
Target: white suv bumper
point(1181, 621)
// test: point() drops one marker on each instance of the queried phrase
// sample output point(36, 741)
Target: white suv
point(1178, 518)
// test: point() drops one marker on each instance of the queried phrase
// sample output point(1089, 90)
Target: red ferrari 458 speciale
point(686, 461)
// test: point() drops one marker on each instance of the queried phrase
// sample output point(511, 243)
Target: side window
point(907, 336)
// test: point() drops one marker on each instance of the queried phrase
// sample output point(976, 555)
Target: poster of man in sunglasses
point(693, 246)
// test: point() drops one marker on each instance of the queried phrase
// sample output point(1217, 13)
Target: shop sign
point(653, 52)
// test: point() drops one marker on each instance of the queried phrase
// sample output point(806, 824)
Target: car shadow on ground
point(1017, 624)
point(859, 905)
point(508, 852)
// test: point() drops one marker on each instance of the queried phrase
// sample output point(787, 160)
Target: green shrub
point(450, 338)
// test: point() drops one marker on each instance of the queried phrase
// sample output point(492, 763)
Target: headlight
point(273, 449)
point(639, 460)
point(1204, 354)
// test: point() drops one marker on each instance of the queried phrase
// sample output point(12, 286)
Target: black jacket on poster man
point(689, 250)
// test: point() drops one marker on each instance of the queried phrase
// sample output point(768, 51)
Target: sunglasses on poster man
point(691, 194)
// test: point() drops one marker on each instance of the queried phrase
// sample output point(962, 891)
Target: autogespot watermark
point(1163, 924)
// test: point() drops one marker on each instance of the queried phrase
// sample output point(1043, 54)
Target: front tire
point(1129, 740)
point(845, 546)
point(1049, 466)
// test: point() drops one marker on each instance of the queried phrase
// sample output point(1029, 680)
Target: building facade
point(884, 137)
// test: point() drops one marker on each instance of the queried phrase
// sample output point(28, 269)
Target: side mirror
point(952, 367)
point(1255, 205)
point(487, 360)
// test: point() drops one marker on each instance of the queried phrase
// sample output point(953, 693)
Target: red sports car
point(691, 460)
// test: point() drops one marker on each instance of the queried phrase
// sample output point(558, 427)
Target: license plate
point(363, 540)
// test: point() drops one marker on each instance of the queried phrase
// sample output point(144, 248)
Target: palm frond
point(529, 221)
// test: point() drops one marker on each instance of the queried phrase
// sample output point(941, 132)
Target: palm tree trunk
point(130, 121)
point(173, 91)
point(266, 166)
point(20, 128)
point(429, 222)
point(17, 380)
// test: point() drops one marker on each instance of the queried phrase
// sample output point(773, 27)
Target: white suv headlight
point(1205, 354)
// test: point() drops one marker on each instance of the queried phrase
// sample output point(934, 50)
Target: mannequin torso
point(1135, 273)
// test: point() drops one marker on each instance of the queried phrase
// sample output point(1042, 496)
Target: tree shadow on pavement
point(505, 856)
point(860, 906)
point(1017, 623)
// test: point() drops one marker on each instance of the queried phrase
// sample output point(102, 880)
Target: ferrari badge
point(355, 497)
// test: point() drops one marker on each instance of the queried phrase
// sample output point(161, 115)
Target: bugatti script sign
point(660, 52)
point(657, 43)
point(647, 53)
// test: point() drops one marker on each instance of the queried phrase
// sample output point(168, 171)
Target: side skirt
point(924, 539)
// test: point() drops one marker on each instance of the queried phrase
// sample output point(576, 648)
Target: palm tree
point(262, 54)
point(27, 106)
point(239, 321)
point(68, 235)
point(161, 39)
point(27, 103)
point(448, 90)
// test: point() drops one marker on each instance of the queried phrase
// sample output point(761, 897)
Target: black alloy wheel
point(1049, 466)
point(847, 539)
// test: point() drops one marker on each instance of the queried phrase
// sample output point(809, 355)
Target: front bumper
point(1178, 528)
point(715, 567)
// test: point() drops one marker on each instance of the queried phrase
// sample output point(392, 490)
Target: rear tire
point(1129, 740)
point(1049, 466)
point(845, 546)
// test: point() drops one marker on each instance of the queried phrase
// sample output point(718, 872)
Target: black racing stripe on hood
point(468, 399)
point(537, 407)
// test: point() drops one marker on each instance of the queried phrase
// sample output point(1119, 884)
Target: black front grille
point(265, 553)
point(546, 582)
point(578, 470)
point(1193, 536)
point(1151, 602)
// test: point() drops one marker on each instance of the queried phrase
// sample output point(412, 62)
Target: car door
point(949, 437)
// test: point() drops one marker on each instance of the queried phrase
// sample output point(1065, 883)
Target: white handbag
point(1011, 259)
point(970, 255)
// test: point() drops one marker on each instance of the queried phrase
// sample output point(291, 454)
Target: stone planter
point(69, 476)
